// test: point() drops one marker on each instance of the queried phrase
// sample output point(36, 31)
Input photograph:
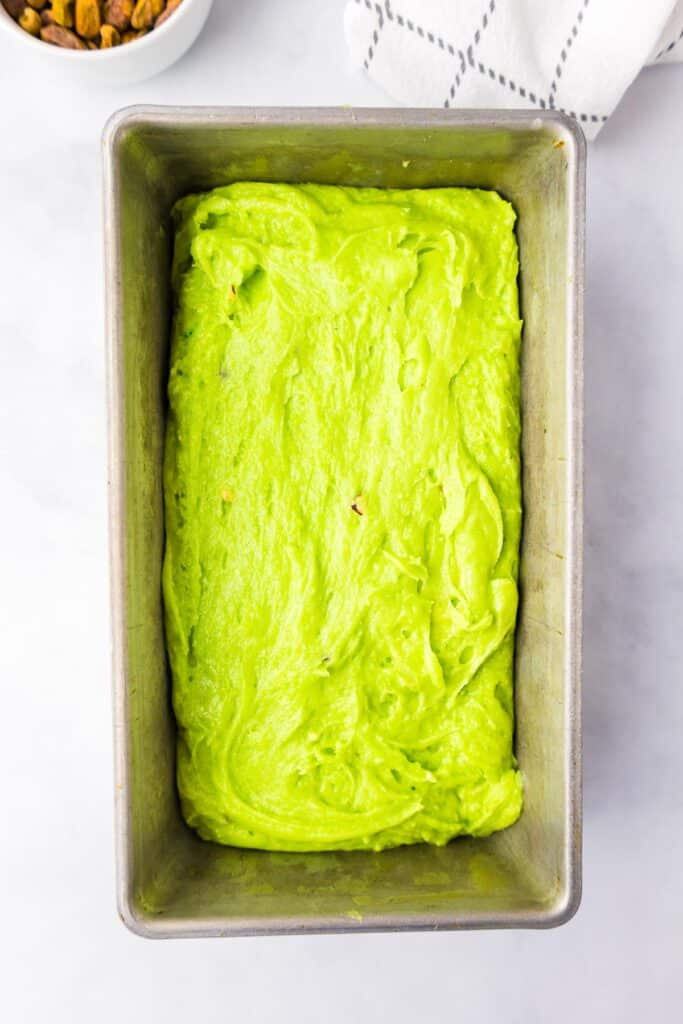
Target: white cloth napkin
point(573, 55)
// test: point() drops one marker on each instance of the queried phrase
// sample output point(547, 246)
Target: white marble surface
point(65, 955)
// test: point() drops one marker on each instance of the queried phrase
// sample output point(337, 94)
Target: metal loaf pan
point(171, 883)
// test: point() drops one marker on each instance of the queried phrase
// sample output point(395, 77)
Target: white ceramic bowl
point(120, 64)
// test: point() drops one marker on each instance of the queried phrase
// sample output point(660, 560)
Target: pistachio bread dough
point(343, 509)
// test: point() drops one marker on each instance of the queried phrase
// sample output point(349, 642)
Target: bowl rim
point(112, 53)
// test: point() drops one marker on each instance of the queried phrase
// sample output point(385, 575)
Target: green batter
point(343, 515)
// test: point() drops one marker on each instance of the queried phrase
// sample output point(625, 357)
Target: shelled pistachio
point(90, 24)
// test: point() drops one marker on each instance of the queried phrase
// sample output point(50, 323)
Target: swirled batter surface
point(343, 514)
